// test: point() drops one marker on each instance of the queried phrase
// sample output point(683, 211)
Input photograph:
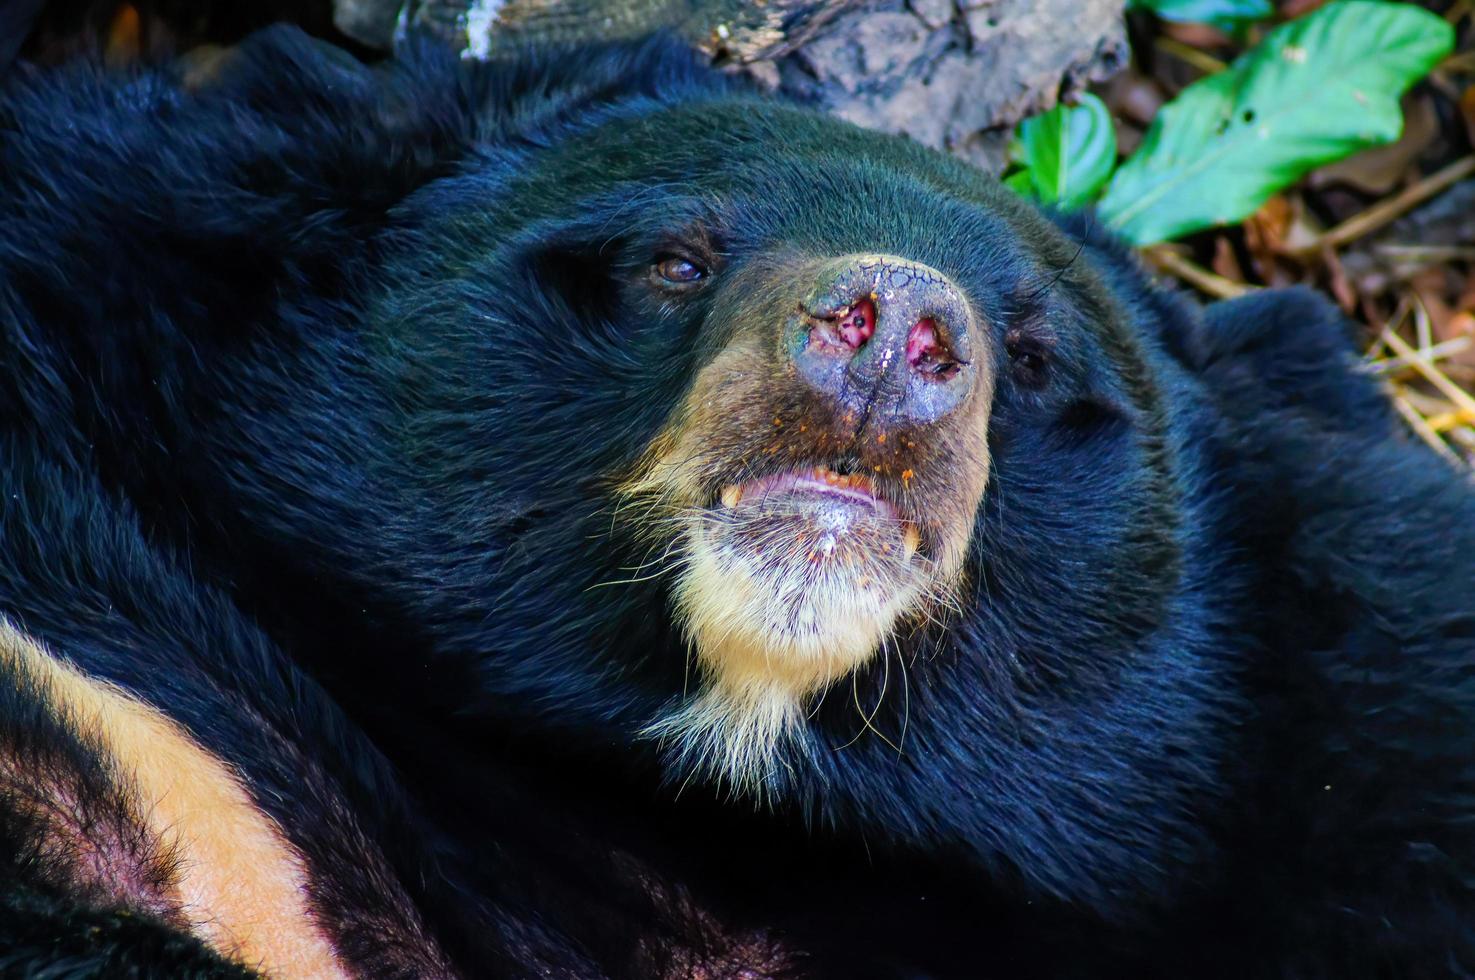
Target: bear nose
point(887, 337)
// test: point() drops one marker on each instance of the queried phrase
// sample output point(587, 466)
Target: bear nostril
point(858, 324)
point(927, 353)
point(850, 326)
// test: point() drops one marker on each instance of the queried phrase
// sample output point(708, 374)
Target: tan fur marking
point(242, 886)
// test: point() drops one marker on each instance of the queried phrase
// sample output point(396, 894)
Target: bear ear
point(1286, 348)
point(1269, 323)
point(542, 90)
point(280, 71)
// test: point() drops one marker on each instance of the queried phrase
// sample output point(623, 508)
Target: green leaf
point(1224, 14)
point(1313, 91)
point(1020, 182)
point(1067, 153)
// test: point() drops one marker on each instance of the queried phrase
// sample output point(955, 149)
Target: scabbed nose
point(886, 337)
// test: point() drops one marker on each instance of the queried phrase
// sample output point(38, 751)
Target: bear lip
point(818, 481)
point(841, 501)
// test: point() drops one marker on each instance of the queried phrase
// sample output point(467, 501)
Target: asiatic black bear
point(573, 517)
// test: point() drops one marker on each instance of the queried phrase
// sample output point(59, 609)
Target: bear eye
point(677, 271)
point(1028, 356)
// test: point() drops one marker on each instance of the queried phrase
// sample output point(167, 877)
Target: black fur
point(314, 384)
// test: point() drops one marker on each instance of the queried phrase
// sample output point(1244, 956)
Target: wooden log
point(954, 74)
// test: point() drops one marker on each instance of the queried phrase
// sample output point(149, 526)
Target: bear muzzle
point(817, 490)
point(885, 338)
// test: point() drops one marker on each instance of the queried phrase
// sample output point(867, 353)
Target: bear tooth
point(731, 494)
point(911, 540)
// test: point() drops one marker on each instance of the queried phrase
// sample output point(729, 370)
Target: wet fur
point(320, 388)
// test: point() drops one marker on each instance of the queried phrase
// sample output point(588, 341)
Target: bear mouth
point(819, 514)
point(812, 564)
point(793, 578)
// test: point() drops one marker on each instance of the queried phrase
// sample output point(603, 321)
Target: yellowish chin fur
point(767, 635)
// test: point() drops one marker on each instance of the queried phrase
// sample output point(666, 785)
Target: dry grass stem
point(1209, 283)
point(1391, 208)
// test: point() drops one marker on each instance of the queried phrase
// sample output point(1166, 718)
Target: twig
point(1423, 328)
point(1459, 63)
point(1390, 208)
point(1426, 405)
point(1427, 253)
point(1422, 430)
point(1461, 398)
point(1400, 313)
point(1189, 55)
point(1439, 351)
point(1463, 438)
point(1450, 420)
point(1209, 283)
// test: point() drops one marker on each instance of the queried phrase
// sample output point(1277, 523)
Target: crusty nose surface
point(885, 337)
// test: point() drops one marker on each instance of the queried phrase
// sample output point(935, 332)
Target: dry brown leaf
point(1133, 96)
point(1337, 280)
point(1467, 111)
point(1273, 219)
point(1466, 300)
point(1305, 227)
point(125, 37)
point(1265, 238)
point(1433, 288)
point(1383, 168)
point(1225, 262)
point(1201, 36)
point(1290, 9)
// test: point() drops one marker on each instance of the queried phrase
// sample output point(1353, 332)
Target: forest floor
point(1389, 232)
